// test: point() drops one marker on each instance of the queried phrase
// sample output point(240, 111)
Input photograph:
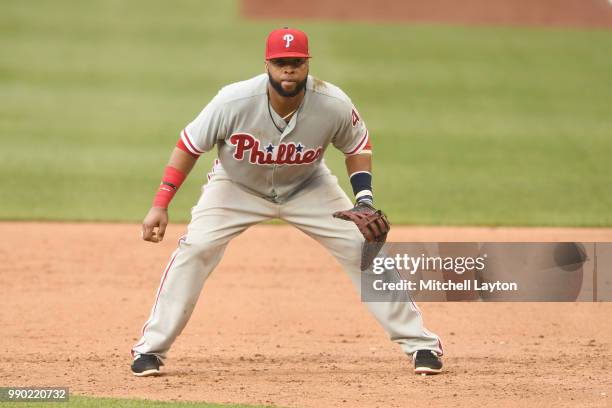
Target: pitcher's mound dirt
point(279, 323)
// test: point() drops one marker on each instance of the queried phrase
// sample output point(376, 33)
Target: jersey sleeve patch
point(354, 117)
point(189, 144)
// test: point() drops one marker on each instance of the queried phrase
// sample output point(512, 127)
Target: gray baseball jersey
point(257, 159)
point(253, 151)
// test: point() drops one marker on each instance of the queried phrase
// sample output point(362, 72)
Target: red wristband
point(171, 181)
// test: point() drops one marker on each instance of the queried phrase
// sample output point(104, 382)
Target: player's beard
point(278, 87)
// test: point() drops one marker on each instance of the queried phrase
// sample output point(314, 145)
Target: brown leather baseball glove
point(373, 225)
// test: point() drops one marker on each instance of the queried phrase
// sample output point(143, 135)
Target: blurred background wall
point(585, 13)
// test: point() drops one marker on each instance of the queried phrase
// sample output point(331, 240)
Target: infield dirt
point(279, 323)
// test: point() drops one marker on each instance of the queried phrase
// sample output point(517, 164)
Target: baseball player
point(271, 133)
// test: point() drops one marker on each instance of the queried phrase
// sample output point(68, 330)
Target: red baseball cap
point(287, 43)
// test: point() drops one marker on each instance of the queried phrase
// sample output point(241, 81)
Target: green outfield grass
point(88, 402)
point(486, 126)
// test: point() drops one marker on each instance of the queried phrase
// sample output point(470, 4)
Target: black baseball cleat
point(426, 362)
point(145, 365)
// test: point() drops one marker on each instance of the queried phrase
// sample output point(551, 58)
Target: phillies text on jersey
point(284, 153)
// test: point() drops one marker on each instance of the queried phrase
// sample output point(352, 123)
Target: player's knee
point(351, 246)
point(356, 240)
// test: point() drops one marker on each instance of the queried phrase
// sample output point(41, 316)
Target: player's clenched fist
point(154, 224)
